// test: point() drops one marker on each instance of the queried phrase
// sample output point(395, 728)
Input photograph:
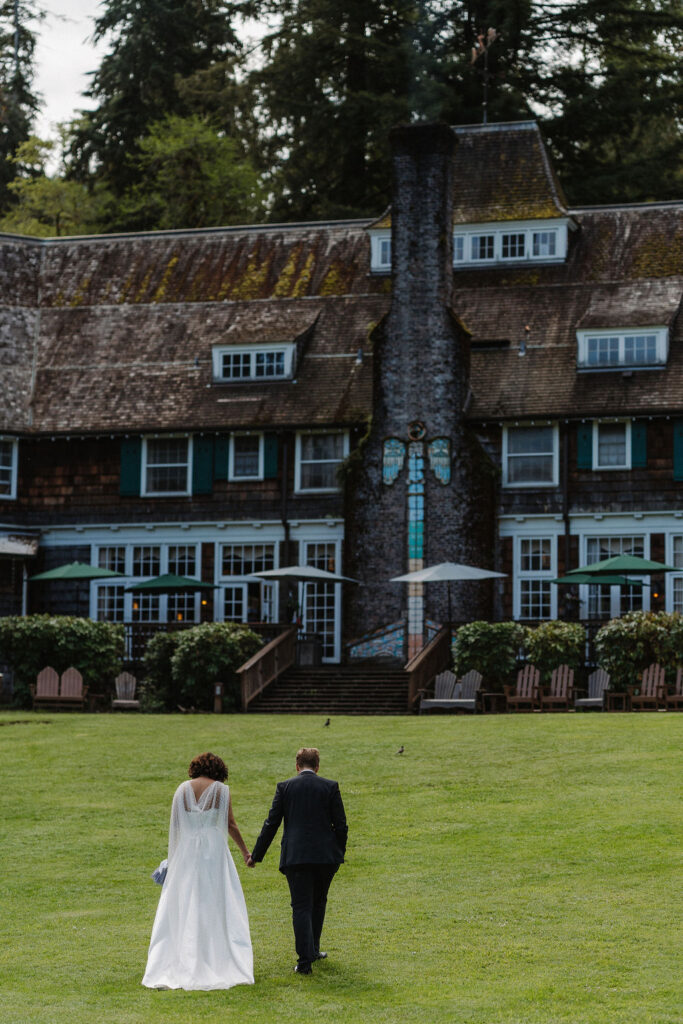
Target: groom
point(312, 848)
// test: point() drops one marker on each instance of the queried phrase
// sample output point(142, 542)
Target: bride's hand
point(247, 857)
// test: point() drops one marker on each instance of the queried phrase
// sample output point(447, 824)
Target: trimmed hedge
point(491, 647)
point(30, 643)
point(555, 643)
point(626, 646)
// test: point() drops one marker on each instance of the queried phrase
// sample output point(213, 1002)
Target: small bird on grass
point(325, 724)
point(400, 749)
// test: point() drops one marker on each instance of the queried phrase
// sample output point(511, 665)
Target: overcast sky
point(64, 55)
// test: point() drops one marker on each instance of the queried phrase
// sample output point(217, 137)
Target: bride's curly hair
point(210, 766)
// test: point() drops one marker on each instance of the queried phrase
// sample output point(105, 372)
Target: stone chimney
point(422, 491)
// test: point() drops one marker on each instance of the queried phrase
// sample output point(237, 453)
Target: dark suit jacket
point(315, 824)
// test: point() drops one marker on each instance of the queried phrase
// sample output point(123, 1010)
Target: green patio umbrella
point(170, 584)
point(76, 571)
point(622, 564)
point(605, 581)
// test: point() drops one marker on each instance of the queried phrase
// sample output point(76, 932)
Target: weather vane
point(481, 49)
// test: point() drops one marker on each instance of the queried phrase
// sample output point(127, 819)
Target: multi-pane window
point(110, 603)
point(544, 243)
point(182, 559)
point(600, 603)
point(234, 604)
point(167, 462)
point(246, 457)
point(534, 575)
point(320, 611)
point(611, 445)
point(319, 456)
point(513, 246)
point(677, 581)
point(8, 467)
point(380, 250)
point(182, 607)
point(245, 559)
point(112, 557)
point(530, 456)
point(146, 560)
point(259, 362)
point(458, 248)
point(146, 608)
point(482, 247)
point(614, 349)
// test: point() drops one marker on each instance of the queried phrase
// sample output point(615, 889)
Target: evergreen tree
point(154, 44)
point(18, 101)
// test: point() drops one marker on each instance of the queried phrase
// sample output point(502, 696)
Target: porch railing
point(266, 665)
point(138, 635)
point(427, 663)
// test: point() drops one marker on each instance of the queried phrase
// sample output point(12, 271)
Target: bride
point(200, 938)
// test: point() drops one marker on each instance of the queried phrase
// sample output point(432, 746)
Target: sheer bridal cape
point(200, 938)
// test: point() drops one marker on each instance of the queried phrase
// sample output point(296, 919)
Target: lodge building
point(481, 374)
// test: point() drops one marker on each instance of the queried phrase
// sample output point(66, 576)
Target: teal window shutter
point(221, 457)
point(131, 467)
point(678, 449)
point(202, 465)
point(270, 456)
point(584, 446)
point(639, 444)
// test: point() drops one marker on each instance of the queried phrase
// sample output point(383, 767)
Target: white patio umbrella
point(303, 574)
point(447, 572)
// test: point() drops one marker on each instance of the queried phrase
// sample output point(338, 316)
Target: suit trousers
point(308, 887)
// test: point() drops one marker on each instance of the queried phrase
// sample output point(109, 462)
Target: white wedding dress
point(200, 938)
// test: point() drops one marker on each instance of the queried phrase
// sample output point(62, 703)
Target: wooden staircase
point(336, 690)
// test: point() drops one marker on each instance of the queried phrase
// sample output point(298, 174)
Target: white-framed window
point(614, 349)
point(612, 444)
point(253, 363)
point(607, 602)
point(110, 601)
point(166, 466)
point(246, 457)
point(380, 250)
point(531, 455)
point(243, 598)
point(319, 455)
point(674, 580)
point(535, 596)
point(513, 242)
point(9, 448)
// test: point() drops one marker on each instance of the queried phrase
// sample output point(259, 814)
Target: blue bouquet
point(159, 874)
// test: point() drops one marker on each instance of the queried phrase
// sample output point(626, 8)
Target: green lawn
point(504, 870)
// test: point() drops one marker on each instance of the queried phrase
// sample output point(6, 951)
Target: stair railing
point(424, 666)
point(266, 665)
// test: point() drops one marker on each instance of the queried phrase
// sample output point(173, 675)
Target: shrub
point(208, 654)
point(555, 643)
point(490, 647)
point(158, 688)
point(28, 644)
point(628, 645)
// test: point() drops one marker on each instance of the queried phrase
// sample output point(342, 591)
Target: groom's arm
point(338, 816)
point(270, 827)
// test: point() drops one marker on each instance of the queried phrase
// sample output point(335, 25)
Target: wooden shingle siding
point(678, 449)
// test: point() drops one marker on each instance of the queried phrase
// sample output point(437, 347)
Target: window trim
point(231, 456)
point(555, 454)
point(298, 489)
point(144, 493)
point(583, 336)
point(500, 228)
point(596, 446)
point(14, 469)
point(218, 351)
point(533, 574)
point(377, 238)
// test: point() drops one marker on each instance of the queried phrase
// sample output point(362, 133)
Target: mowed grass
point(503, 870)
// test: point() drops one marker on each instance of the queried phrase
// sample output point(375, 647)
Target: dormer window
point(8, 467)
point(615, 350)
point(520, 242)
point(380, 250)
point(253, 363)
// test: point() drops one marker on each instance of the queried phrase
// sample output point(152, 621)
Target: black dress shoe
point(321, 956)
point(302, 969)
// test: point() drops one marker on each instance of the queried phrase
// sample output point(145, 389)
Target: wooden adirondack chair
point(444, 685)
point(125, 684)
point(525, 692)
point(651, 689)
point(674, 701)
point(598, 682)
point(72, 693)
point(465, 693)
point(45, 690)
point(561, 690)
